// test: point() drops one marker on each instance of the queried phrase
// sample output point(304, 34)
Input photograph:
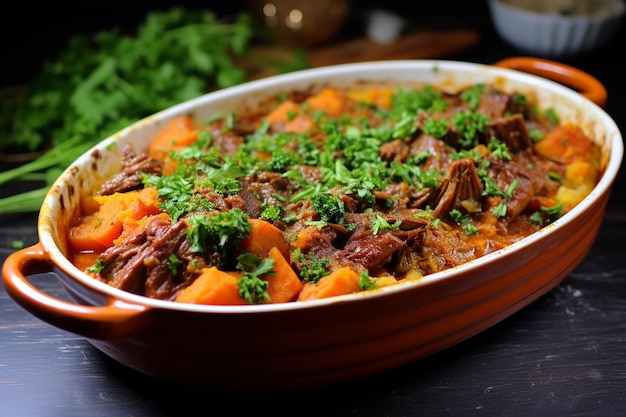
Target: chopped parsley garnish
point(271, 212)
point(177, 195)
point(469, 124)
point(555, 176)
point(97, 267)
point(499, 210)
point(499, 149)
point(463, 220)
point(554, 212)
point(552, 116)
point(535, 134)
point(366, 282)
point(210, 233)
point(173, 263)
point(329, 207)
point(252, 287)
point(436, 127)
point(380, 223)
point(472, 96)
point(312, 268)
point(427, 99)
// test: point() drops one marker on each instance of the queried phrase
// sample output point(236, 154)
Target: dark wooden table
point(563, 355)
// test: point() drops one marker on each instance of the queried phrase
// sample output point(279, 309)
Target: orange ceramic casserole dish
point(325, 341)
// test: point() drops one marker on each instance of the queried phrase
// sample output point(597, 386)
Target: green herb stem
point(63, 153)
point(28, 201)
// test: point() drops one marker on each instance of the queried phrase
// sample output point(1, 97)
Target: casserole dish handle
point(116, 319)
point(587, 85)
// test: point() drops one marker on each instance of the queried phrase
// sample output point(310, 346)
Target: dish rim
point(618, 9)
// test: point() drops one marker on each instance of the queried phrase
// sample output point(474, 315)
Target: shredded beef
point(461, 189)
point(129, 177)
point(140, 263)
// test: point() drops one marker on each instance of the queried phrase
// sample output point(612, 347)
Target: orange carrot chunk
point(339, 282)
point(379, 96)
point(263, 237)
point(179, 133)
point(133, 227)
point(80, 237)
point(329, 100)
point(284, 284)
point(213, 287)
point(84, 260)
point(284, 112)
point(565, 144)
point(299, 124)
point(290, 116)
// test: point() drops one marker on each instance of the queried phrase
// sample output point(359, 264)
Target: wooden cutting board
point(418, 44)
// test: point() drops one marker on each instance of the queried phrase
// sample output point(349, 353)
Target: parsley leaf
point(252, 287)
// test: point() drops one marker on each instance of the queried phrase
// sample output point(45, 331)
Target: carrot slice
point(379, 96)
point(339, 282)
point(117, 208)
point(80, 237)
point(330, 100)
point(213, 287)
point(284, 284)
point(565, 143)
point(84, 260)
point(263, 237)
point(283, 112)
point(109, 226)
point(133, 227)
point(299, 124)
point(179, 133)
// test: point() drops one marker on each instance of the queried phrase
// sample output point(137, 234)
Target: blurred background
point(30, 34)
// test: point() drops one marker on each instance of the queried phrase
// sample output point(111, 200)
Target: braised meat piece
point(395, 150)
point(494, 103)
point(439, 150)
point(141, 264)
point(369, 251)
point(440, 249)
point(129, 176)
point(460, 189)
point(511, 131)
point(506, 174)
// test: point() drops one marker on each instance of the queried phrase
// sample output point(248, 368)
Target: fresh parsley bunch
point(102, 83)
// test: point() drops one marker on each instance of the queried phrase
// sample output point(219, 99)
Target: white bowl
point(539, 28)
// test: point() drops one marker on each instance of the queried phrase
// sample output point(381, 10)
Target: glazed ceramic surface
point(309, 344)
point(550, 29)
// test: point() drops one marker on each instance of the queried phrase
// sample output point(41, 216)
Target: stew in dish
point(331, 192)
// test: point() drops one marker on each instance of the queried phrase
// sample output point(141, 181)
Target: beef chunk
point(460, 189)
point(395, 150)
point(372, 252)
point(511, 131)
point(129, 177)
point(140, 264)
point(504, 175)
point(437, 148)
point(439, 250)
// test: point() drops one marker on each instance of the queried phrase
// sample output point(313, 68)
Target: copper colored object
point(316, 343)
point(301, 22)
